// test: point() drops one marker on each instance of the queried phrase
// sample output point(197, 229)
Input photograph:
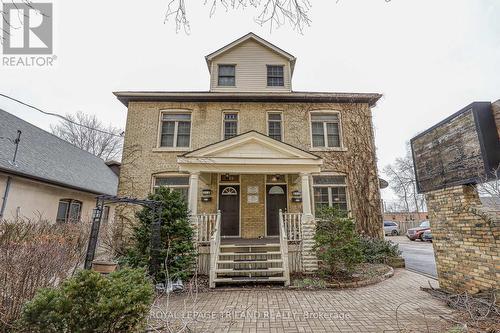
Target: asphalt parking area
point(419, 256)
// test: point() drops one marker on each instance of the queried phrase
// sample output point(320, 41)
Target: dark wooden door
point(275, 200)
point(229, 205)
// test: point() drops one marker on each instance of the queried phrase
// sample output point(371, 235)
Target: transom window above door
point(227, 75)
point(175, 130)
point(230, 125)
point(325, 130)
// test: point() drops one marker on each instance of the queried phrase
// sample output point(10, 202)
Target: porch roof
point(250, 152)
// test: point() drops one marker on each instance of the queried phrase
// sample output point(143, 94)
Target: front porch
point(251, 205)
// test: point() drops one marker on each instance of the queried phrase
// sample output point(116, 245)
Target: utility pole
point(9, 178)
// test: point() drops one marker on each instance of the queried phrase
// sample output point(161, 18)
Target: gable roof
point(260, 40)
point(269, 148)
point(44, 157)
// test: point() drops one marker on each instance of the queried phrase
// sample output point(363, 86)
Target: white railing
point(284, 249)
point(206, 224)
point(214, 248)
point(293, 226)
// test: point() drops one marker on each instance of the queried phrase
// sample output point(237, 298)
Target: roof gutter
point(127, 97)
point(48, 181)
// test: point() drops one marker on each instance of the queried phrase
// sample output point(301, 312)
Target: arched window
point(276, 190)
point(229, 191)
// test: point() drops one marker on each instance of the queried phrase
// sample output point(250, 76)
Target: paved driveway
point(419, 256)
point(394, 305)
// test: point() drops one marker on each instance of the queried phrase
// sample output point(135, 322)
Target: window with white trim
point(175, 130)
point(230, 125)
point(275, 76)
point(325, 130)
point(69, 210)
point(330, 191)
point(178, 183)
point(274, 126)
point(227, 75)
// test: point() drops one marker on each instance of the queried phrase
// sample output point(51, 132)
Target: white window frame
point(329, 186)
point(326, 147)
point(170, 175)
point(159, 147)
point(235, 78)
point(282, 123)
point(224, 121)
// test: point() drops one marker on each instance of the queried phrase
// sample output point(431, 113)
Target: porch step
point(250, 261)
point(250, 245)
point(248, 253)
point(249, 270)
point(244, 279)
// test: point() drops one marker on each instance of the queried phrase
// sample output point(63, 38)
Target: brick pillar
point(466, 241)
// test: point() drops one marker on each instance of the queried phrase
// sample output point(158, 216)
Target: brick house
point(255, 160)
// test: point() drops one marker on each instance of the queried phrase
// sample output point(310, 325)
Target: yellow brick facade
point(143, 159)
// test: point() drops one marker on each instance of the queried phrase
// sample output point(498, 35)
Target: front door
point(275, 200)
point(229, 205)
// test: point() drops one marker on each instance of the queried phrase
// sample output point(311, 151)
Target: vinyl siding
point(250, 59)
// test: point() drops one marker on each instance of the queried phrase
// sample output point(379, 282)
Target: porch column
point(309, 259)
point(306, 194)
point(193, 193)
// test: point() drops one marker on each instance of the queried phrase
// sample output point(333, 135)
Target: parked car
point(417, 233)
point(427, 236)
point(391, 228)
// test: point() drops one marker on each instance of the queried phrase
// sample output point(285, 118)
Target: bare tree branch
point(94, 137)
point(273, 12)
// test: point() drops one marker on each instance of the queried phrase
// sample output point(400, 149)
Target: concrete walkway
point(395, 305)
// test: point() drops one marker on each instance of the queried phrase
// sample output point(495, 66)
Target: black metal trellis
point(156, 206)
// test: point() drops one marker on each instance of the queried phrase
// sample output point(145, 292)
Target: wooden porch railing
point(284, 249)
point(214, 248)
point(206, 225)
point(293, 226)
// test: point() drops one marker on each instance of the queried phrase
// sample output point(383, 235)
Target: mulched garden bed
point(364, 274)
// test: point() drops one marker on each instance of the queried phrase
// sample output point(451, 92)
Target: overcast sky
point(429, 58)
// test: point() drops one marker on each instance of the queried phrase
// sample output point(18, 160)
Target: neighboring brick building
point(251, 146)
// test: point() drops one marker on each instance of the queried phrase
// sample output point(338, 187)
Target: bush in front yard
point(177, 254)
point(90, 302)
point(336, 241)
point(33, 255)
point(378, 251)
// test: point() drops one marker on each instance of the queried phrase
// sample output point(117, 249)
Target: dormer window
point(275, 76)
point(227, 75)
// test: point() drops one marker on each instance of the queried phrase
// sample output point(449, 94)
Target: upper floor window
point(179, 183)
point(175, 130)
point(227, 75)
point(330, 191)
point(325, 130)
point(230, 125)
point(69, 210)
point(275, 76)
point(274, 126)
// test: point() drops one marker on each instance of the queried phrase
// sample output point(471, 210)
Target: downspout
point(5, 196)
point(9, 178)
